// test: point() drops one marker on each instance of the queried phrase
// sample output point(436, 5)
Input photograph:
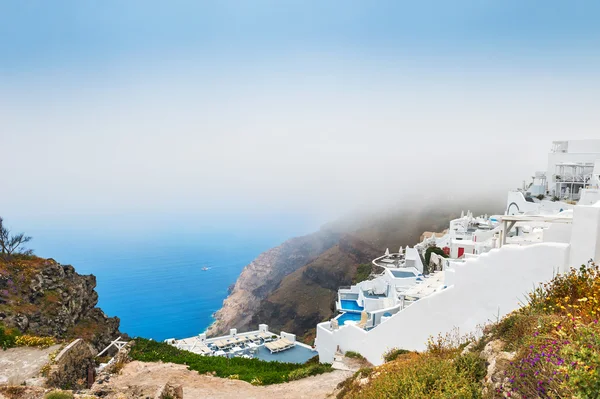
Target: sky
point(147, 112)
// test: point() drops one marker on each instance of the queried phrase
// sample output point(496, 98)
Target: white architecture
point(572, 166)
point(494, 262)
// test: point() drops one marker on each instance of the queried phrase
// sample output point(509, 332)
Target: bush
point(255, 371)
point(417, 377)
point(8, 337)
point(32, 340)
point(354, 355)
point(540, 196)
point(436, 250)
point(59, 395)
point(393, 354)
point(362, 273)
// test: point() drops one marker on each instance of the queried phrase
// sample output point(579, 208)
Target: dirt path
point(20, 364)
point(140, 379)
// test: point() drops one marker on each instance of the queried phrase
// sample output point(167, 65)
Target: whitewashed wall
point(585, 235)
point(483, 288)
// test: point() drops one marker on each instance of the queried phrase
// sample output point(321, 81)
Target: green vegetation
point(255, 371)
point(59, 395)
point(353, 355)
point(34, 341)
point(555, 338)
point(393, 354)
point(540, 196)
point(413, 375)
point(362, 273)
point(436, 250)
point(8, 337)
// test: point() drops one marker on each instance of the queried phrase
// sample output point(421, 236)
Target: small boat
point(204, 268)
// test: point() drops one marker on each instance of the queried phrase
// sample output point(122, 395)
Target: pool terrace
point(260, 344)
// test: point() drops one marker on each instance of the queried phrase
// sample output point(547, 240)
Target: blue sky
point(38, 35)
point(267, 107)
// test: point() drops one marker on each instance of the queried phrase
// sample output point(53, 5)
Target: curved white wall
point(482, 289)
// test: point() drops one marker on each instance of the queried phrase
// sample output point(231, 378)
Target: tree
point(435, 250)
point(12, 244)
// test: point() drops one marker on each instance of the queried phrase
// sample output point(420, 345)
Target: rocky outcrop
point(497, 362)
point(73, 367)
point(264, 274)
point(42, 297)
point(307, 296)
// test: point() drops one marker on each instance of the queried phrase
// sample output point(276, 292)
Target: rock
point(52, 300)
point(22, 322)
point(468, 348)
point(73, 367)
point(169, 391)
point(497, 361)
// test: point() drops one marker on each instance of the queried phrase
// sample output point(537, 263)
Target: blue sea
point(154, 282)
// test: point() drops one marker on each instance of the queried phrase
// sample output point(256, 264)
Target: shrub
point(393, 354)
point(8, 337)
point(363, 272)
point(436, 250)
point(419, 376)
point(472, 365)
point(540, 196)
point(575, 294)
point(353, 355)
point(32, 340)
point(59, 395)
point(255, 371)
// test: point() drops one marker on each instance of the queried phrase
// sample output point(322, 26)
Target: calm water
point(156, 284)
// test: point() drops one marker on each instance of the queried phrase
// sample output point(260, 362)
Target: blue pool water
point(297, 354)
point(350, 305)
point(402, 274)
point(348, 316)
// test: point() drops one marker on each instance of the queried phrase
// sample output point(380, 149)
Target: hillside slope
point(263, 275)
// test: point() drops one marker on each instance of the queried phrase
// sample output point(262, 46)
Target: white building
point(572, 166)
point(501, 259)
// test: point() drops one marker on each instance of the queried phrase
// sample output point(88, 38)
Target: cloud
point(322, 137)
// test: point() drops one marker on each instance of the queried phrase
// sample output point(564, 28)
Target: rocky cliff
point(264, 274)
point(42, 297)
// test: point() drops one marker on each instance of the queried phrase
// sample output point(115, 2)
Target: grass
point(414, 375)
point(255, 371)
point(59, 395)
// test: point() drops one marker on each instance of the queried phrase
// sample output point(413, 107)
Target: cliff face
point(41, 297)
point(307, 296)
point(263, 275)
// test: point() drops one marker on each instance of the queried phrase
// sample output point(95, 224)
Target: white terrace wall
point(585, 235)
point(482, 289)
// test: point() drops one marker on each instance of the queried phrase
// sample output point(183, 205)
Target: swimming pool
point(348, 316)
point(350, 305)
point(402, 274)
point(297, 354)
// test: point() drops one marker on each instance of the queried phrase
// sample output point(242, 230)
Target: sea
point(157, 283)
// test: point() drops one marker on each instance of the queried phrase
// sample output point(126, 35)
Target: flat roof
point(537, 218)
